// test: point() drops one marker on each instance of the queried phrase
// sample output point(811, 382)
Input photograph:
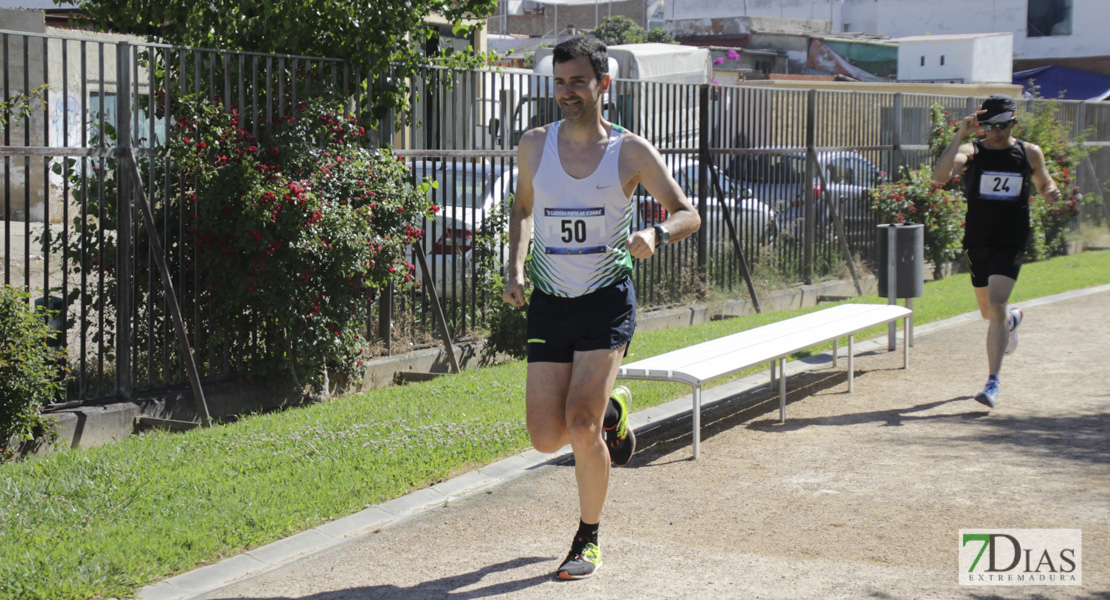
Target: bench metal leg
point(851, 364)
point(909, 321)
point(771, 385)
point(782, 390)
point(697, 421)
point(906, 343)
point(836, 351)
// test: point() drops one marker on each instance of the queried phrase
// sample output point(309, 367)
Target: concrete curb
point(328, 536)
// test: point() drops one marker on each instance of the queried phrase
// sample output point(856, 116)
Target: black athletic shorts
point(994, 260)
point(601, 320)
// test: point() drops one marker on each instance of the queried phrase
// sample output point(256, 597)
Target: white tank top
point(580, 226)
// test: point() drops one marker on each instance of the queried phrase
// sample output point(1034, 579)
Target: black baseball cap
point(1000, 109)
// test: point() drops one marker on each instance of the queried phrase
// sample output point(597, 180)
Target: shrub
point(296, 233)
point(916, 199)
point(1052, 220)
point(286, 239)
point(29, 377)
point(507, 323)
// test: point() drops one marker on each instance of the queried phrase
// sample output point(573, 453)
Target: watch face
point(662, 236)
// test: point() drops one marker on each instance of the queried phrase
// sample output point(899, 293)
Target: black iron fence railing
point(770, 170)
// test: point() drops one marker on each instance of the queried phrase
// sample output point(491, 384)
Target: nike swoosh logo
point(602, 187)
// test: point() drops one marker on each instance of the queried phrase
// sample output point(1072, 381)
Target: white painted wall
point(993, 59)
point(904, 18)
point(921, 59)
point(961, 58)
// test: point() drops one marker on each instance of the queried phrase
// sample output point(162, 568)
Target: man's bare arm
point(957, 154)
point(646, 166)
point(520, 218)
point(1045, 185)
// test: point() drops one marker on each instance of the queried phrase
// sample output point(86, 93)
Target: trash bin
point(55, 319)
point(909, 260)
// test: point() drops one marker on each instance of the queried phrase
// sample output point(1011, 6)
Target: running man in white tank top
point(574, 202)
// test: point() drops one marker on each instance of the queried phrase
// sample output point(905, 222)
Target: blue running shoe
point(989, 396)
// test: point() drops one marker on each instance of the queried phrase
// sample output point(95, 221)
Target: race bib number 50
point(574, 230)
point(996, 185)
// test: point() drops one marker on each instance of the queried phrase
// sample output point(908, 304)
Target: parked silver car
point(751, 217)
point(780, 179)
point(467, 194)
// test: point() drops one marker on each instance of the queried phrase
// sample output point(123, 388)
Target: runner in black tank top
point(997, 186)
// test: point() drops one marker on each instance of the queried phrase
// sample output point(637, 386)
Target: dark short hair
point(592, 48)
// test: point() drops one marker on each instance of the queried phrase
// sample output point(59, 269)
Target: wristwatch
point(662, 236)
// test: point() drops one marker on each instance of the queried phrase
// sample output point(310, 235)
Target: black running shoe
point(621, 440)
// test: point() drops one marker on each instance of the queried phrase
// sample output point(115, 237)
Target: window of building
point(1048, 17)
point(942, 60)
point(923, 61)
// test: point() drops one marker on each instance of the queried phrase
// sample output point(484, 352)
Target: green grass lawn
point(105, 521)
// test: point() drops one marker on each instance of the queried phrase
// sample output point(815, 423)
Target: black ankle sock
point(586, 533)
point(612, 415)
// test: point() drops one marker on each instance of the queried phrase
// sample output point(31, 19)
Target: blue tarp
point(1062, 82)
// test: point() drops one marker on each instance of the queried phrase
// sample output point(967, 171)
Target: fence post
point(386, 296)
point(899, 153)
point(703, 184)
point(123, 220)
point(811, 174)
point(1077, 130)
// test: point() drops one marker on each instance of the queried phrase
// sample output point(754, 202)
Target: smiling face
point(578, 90)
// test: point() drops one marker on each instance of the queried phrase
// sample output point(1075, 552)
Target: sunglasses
point(996, 126)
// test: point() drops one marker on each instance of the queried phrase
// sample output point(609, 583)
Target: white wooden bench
point(701, 363)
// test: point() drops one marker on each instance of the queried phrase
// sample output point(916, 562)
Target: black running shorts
point(601, 320)
point(994, 260)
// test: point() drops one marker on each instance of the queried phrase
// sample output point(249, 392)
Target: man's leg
point(998, 292)
point(565, 403)
point(592, 378)
point(546, 404)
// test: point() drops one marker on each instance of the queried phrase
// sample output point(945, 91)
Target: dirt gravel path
point(858, 495)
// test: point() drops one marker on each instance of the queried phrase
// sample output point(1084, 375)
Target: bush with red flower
point(295, 233)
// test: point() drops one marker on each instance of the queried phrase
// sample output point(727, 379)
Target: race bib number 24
point(996, 185)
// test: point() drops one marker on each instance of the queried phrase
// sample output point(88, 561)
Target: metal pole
point(171, 296)
point(448, 345)
point(811, 170)
point(891, 288)
point(727, 214)
point(899, 153)
point(704, 158)
point(827, 197)
point(697, 421)
point(123, 222)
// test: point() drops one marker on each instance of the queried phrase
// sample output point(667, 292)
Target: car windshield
point(772, 168)
point(459, 189)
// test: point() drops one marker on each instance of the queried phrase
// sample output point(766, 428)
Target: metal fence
point(92, 105)
point(779, 177)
